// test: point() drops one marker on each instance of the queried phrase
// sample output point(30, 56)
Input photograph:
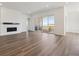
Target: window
point(48, 21)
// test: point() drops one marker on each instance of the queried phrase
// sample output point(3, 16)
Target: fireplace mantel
point(10, 23)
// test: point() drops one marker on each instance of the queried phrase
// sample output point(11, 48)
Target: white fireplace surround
point(12, 16)
point(4, 29)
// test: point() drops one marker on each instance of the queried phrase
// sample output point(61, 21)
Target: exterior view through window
point(48, 23)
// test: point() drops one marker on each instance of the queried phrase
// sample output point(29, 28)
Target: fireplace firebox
point(11, 29)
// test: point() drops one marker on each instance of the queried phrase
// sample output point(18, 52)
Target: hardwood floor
point(39, 44)
point(72, 44)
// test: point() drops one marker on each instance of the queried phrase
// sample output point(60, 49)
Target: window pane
point(45, 21)
point(51, 20)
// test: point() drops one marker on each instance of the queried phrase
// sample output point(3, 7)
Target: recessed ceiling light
point(1, 4)
point(29, 12)
point(47, 5)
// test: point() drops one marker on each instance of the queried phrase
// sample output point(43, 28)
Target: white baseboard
point(11, 33)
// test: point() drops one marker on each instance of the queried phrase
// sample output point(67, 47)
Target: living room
point(39, 29)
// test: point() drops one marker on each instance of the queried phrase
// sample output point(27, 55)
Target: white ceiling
point(32, 7)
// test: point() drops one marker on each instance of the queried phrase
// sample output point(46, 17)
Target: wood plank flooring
point(72, 44)
point(39, 44)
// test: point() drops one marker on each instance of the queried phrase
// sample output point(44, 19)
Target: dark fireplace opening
point(11, 29)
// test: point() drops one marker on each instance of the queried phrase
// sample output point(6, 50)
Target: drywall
point(59, 21)
point(58, 14)
point(72, 18)
point(10, 15)
point(0, 19)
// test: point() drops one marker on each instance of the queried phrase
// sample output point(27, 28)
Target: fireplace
point(11, 29)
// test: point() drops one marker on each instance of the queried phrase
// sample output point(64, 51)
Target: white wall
point(10, 15)
point(58, 14)
point(0, 19)
point(72, 18)
point(59, 21)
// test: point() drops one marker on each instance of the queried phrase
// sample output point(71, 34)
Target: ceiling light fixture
point(47, 6)
point(1, 4)
point(29, 12)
